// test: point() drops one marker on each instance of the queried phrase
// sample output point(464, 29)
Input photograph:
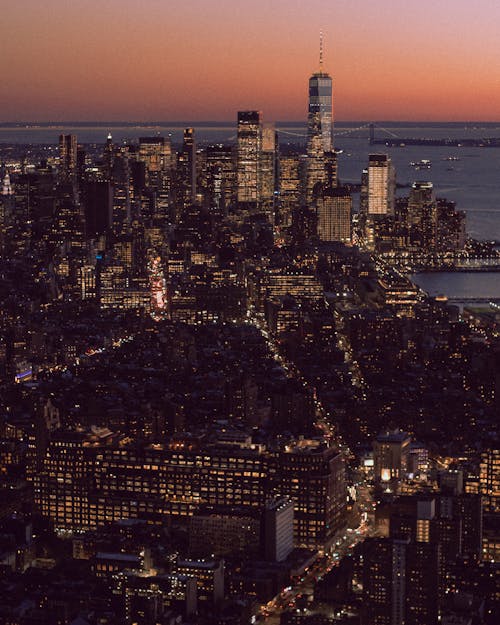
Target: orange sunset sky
point(206, 59)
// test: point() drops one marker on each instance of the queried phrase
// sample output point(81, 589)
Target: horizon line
point(31, 123)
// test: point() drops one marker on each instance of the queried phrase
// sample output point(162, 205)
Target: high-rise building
point(313, 476)
point(120, 176)
point(156, 152)
point(268, 159)
point(402, 574)
point(189, 163)
point(249, 156)
point(363, 196)
point(421, 194)
point(384, 564)
point(390, 451)
point(381, 185)
point(422, 215)
point(334, 209)
point(330, 169)
point(67, 155)
point(221, 177)
point(320, 114)
point(319, 128)
point(289, 187)
point(98, 203)
point(490, 480)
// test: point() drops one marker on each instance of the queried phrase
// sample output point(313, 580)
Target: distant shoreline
point(231, 123)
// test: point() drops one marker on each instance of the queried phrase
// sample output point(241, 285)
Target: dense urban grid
point(224, 401)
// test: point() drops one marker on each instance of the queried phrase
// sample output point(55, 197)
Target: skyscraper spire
point(320, 51)
point(6, 186)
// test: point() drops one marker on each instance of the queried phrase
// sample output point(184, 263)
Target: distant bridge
point(473, 300)
point(459, 268)
point(396, 141)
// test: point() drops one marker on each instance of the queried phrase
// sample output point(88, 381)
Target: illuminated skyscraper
point(6, 186)
point(320, 115)
point(156, 152)
point(221, 177)
point(319, 127)
point(490, 480)
point(189, 152)
point(289, 187)
point(422, 215)
point(249, 156)
point(67, 155)
point(381, 185)
point(334, 210)
point(267, 173)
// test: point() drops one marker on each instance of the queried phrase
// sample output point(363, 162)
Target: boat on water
point(422, 164)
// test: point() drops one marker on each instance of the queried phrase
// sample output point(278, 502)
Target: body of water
point(460, 285)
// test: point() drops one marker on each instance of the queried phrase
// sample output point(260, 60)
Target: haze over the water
point(205, 59)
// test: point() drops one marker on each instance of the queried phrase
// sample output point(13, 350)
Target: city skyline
point(250, 369)
point(204, 61)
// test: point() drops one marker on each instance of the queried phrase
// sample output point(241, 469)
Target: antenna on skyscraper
point(321, 51)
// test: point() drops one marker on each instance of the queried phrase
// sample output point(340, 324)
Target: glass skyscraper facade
point(320, 116)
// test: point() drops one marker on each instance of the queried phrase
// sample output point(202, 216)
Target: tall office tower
point(67, 221)
point(268, 158)
point(221, 177)
point(381, 185)
point(7, 199)
point(320, 115)
point(289, 188)
point(6, 184)
point(334, 210)
point(98, 204)
point(315, 169)
point(422, 215)
point(156, 152)
point(120, 176)
point(187, 162)
point(363, 196)
point(108, 157)
point(7, 210)
point(421, 193)
point(319, 127)
point(249, 155)
point(330, 169)
point(81, 162)
point(67, 156)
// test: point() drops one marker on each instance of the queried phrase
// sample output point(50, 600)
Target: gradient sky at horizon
point(206, 59)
